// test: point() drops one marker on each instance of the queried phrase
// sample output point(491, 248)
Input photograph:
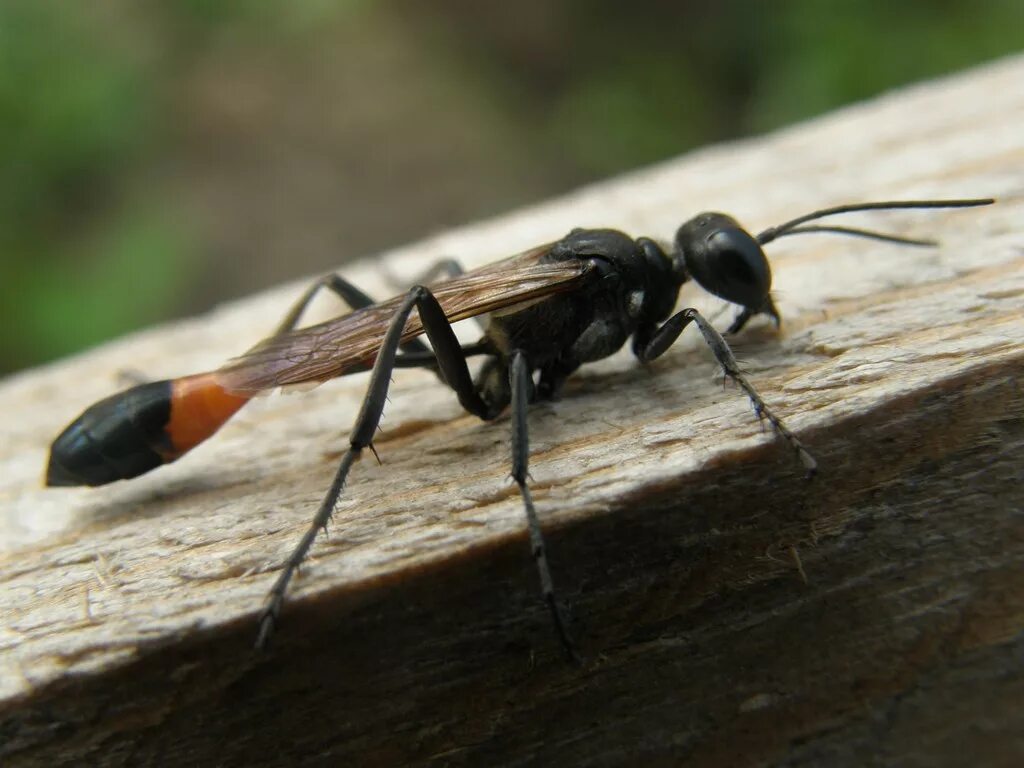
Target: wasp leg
point(427, 359)
point(663, 337)
point(451, 362)
point(521, 384)
point(446, 268)
point(442, 269)
point(768, 308)
point(337, 285)
point(355, 299)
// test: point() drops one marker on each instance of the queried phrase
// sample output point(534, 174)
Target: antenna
point(793, 227)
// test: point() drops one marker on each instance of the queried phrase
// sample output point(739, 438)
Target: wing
point(335, 347)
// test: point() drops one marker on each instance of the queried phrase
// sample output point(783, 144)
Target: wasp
point(548, 311)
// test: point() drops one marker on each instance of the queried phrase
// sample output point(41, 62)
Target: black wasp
point(550, 310)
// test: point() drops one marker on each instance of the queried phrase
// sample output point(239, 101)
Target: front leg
point(768, 308)
point(662, 338)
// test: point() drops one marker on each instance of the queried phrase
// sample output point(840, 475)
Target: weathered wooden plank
point(731, 612)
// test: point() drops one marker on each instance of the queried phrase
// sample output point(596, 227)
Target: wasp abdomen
point(115, 439)
point(139, 429)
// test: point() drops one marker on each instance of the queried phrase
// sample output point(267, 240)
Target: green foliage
point(279, 17)
point(635, 113)
point(72, 115)
point(133, 274)
point(824, 54)
point(700, 73)
point(68, 112)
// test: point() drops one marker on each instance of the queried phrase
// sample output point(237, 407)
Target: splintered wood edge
point(93, 576)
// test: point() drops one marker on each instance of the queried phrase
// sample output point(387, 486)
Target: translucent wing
point(335, 347)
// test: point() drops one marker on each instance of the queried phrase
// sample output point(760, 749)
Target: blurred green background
point(156, 158)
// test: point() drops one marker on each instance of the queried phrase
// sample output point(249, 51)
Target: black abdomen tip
point(58, 474)
point(115, 439)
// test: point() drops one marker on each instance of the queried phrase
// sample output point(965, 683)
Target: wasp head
point(724, 259)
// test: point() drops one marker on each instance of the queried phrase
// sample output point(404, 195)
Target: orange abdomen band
point(199, 407)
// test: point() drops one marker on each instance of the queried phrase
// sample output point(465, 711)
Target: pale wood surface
point(680, 533)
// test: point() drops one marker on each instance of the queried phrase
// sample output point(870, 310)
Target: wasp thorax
point(725, 259)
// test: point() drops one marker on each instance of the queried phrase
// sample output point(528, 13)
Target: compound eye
point(740, 269)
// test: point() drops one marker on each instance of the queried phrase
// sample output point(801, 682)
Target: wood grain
point(731, 612)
